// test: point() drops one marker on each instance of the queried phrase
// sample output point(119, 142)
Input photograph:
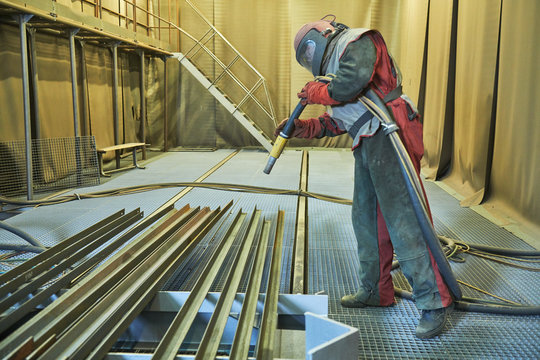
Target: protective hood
point(310, 43)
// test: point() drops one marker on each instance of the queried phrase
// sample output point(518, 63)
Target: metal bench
point(116, 149)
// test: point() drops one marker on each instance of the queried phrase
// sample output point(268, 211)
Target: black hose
point(476, 305)
point(409, 175)
point(27, 248)
point(23, 235)
point(504, 251)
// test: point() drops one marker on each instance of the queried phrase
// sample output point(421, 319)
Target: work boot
point(351, 301)
point(361, 299)
point(432, 322)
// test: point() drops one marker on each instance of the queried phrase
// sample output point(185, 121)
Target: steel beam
point(86, 333)
point(35, 79)
point(78, 299)
point(210, 342)
point(265, 345)
point(22, 20)
point(55, 263)
point(41, 296)
point(116, 116)
point(298, 283)
point(142, 87)
point(175, 335)
point(240, 346)
point(31, 263)
point(74, 95)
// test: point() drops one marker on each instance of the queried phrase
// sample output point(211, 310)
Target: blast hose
point(412, 182)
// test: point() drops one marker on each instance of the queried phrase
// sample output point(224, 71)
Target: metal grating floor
point(384, 333)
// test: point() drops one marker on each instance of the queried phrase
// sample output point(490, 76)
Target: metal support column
point(114, 48)
point(143, 104)
point(22, 20)
point(72, 34)
point(35, 79)
point(165, 112)
point(85, 119)
point(75, 97)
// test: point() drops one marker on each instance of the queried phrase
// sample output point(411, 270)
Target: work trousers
point(384, 221)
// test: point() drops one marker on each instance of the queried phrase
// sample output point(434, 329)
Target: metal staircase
point(240, 105)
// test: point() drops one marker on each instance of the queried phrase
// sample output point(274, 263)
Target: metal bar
point(81, 338)
point(30, 263)
point(209, 344)
point(85, 119)
point(177, 331)
point(107, 341)
point(240, 345)
point(22, 20)
point(35, 79)
point(74, 95)
point(56, 258)
point(143, 104)
point(265, 345)
point(42, 295)
point(82, 296)
point(298, 276)
point(165, 116)
point(116, 116)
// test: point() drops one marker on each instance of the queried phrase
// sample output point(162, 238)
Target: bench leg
point(135, 159)
point(100, 161)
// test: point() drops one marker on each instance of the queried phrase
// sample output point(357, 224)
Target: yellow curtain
point(476, 58)
point(11, 99)
point(439, 89)
point(514, 191)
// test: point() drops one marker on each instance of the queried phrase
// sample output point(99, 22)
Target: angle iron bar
point(177, 331)
point(101, 349)
point(240, 345)
point(265, 343)
point(63, 281)
point(46, 271)
point(70, 304)
point(29, 264)
point(209, 344)
point(57, 256)
point(38, 351)
point(299, 269)
point(83, 295)
point(80, 339)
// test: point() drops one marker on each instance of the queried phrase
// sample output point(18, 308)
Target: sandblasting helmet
point(310, 43)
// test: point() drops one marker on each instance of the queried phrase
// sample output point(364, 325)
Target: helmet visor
point(305, 54)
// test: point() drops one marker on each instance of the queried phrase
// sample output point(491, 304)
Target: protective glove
point(304, 129)
point(315, 92)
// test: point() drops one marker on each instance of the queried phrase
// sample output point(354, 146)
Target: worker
point(383, 218)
